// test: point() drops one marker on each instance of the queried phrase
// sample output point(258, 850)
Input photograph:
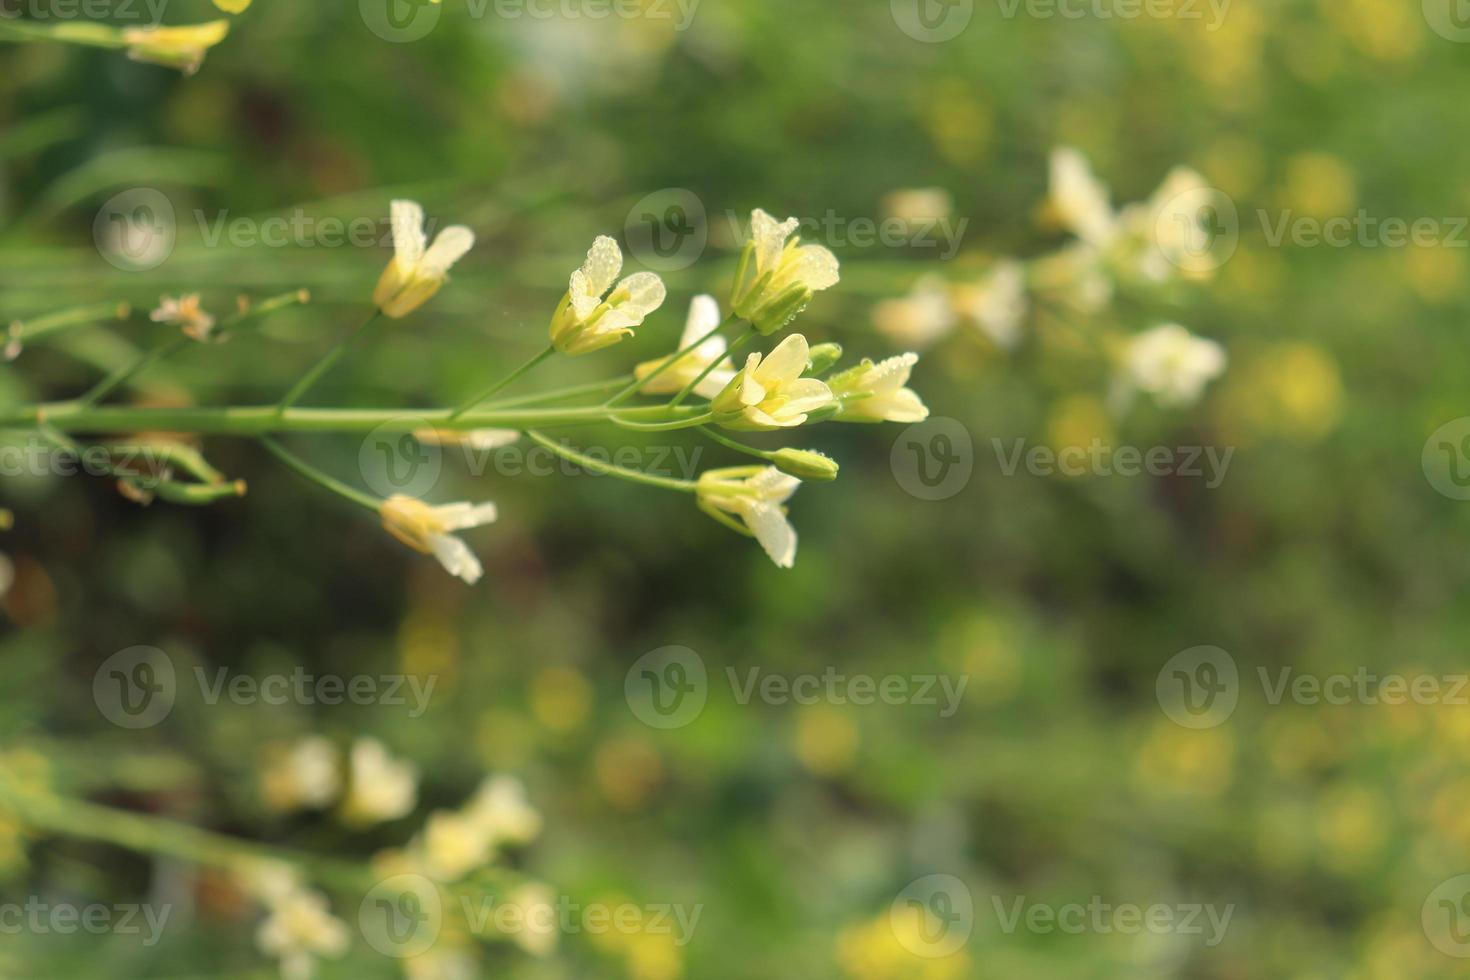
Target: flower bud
point(822, 358)
point(805, 464)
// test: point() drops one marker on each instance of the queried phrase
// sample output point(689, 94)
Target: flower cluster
point(707, 384)
point(1147, 245)
point(451, 851)
point(781, 389)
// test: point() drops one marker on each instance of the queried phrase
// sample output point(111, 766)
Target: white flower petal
point(786, 361)
point(408, 232)
point(456, 557)
point(772, 530)
point(448, 248)
point(770, 238)
point(457, 517)
point(774, 486)
point(714, 382)
point(704, 316)
point(639, 295)
point(890, 374)
point(584, 298)
point(604, 262)
point(812, 266)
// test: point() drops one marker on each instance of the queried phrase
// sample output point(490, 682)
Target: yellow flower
point(502, 813)
point(418, 269)
point(997, 304)
point(770, 393)
point(754, 494)
point(305, 775)
point(535, 930)
point(585, 321)
point(875, 392)
point(1172, 364)
point(232, 6)
point(427, 529)
point(786, 273)
point(453, 846)
point(299, 926)
point(383, 788)
point(704, 316)
point(186, 313)
point(175, 47)
point(1079, 199)
point(920, 319)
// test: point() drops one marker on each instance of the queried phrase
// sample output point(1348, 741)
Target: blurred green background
point(1060, 778)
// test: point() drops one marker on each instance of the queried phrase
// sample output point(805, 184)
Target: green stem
point(667, 363)
point(689, 423)
point(502, 383)
point(591, 388)
point(24, 331)
point(735, 345)
point(263, 420)
point(119, 377)
point(157, 835)
point(609, 469)
point(323, 366)
point(739, 447)
point(309, 472)
point(91, 35)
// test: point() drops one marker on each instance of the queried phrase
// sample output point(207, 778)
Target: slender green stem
point(609, 469)
point(264, 420)
point(121, 376)
point(502, 383)
point(92, 35)
point(157, 835)
point(592, 388)
point(667, 363)
point(735, 345)
point(309, 472)
point(323, 366)
point(24, 331)
point(689, 423)
point(739, 447)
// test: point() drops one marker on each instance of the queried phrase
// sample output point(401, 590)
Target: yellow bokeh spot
point(1320, 185)
point(628, 770)
point(1186, 762)
point(826, 740)
point(560, 698)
